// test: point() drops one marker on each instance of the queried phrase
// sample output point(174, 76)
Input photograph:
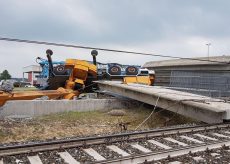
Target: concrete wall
point(43, 107)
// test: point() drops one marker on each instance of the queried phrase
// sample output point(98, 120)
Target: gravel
point(223, 157)
point(80, 155)
point(52, 157)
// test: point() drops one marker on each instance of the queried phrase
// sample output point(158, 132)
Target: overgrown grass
point(166, 118)
point(133, 117)
point(70, 124)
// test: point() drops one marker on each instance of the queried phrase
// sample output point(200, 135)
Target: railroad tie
point(159, 144)
point(68, 158)
point(191, 139)
point(141, 148)
point(220, 135)
point(174, 162)
point(227, 132)
point(175, 141)
point(118, 150)
point(205, 137)
point(198, 159)
point(214, 154)
point(34, 159)
point(94, 154)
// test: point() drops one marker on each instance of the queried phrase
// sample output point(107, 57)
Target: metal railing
point(205, 83)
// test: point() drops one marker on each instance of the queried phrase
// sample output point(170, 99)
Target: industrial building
point(208, 76)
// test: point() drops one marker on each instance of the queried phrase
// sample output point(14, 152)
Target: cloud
point(178, 28)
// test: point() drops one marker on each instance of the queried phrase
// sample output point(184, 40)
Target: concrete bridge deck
point(199, 107)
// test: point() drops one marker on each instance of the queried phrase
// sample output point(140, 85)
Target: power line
point(103, 49)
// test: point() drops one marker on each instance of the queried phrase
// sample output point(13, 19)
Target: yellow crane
point(81, 73)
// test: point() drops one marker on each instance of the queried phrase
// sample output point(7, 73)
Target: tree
point(5, 75)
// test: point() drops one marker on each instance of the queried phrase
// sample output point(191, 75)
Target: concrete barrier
point(33, 108)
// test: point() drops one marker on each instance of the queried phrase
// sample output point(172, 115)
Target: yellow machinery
point(82, 74)
point(146, 80)
point(60, 93)
point(81, 70)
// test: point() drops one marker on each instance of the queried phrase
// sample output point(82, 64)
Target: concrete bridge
point(199, 107)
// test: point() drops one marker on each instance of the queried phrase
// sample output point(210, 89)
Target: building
point(31, 71)
point(205, 73)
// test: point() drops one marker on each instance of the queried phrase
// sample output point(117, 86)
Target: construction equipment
point(146, 80)
point(119, 71)
point(72, 74)
point(79, 74)
point(55, 74)
point(44, 75)
point(60, 93)
point(61, 74)
point(44, 64)
point(72, 77)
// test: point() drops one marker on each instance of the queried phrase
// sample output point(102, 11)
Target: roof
point(32, 68)
point(188, 62)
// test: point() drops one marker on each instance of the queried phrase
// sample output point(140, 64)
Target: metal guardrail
point(205, 83)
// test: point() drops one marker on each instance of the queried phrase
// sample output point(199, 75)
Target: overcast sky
point(167, 27)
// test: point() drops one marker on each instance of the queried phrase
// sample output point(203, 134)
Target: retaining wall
point(33, 108)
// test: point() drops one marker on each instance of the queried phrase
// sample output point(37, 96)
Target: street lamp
point(208, 44)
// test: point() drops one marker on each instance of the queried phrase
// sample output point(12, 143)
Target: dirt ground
point(73, 124)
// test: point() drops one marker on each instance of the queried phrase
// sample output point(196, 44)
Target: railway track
point(194, 144)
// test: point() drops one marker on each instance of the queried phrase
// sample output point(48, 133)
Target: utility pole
point(208, 44)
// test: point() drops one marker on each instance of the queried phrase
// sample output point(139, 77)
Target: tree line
point(5, 75)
